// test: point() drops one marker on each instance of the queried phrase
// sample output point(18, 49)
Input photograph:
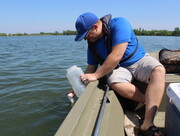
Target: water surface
point(33, 80)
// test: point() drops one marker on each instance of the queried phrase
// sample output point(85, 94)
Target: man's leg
point(120, 81)
point(153, 96)
point(129, 91)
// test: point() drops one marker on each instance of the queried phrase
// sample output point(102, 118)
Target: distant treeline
point(67, 32)
point(139, 31)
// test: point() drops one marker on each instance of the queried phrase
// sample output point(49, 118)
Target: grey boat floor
point(132, 122)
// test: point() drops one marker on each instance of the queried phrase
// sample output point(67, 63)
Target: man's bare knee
point(158, 72)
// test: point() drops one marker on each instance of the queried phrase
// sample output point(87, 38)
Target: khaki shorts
point(140, 71)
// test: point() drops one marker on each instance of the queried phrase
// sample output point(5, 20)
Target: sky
point(34, 16)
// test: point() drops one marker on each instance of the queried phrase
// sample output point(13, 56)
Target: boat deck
point(82, 118)
point(132, 122)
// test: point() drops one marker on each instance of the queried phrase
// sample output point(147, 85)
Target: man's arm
point(91, 69)
point(110, 63)
point(112, 60)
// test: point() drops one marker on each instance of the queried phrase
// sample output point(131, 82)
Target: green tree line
point(139, 31)
point(67, 32)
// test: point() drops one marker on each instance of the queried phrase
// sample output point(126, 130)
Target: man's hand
point(86, 78)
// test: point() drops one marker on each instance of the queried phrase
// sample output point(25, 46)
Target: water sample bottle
point(73, 75)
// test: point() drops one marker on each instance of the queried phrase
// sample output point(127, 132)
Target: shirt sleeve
point(120, 31)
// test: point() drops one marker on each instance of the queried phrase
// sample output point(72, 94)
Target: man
point(126, 61)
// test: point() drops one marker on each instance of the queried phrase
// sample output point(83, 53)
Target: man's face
point(92, 35)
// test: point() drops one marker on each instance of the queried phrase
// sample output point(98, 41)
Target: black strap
point(106, 32)
point(131, 54)
point(100, 60)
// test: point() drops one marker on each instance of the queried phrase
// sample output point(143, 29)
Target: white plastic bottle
point(73, 75)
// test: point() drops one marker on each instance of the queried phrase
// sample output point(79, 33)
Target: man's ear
point(95, 26)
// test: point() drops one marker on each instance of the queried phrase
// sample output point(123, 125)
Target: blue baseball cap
point(84, 23)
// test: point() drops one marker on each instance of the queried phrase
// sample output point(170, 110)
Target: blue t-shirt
point(120, 32)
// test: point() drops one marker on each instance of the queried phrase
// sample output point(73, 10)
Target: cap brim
point(80, 37)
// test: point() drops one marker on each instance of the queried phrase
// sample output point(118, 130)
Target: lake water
point(33, 80)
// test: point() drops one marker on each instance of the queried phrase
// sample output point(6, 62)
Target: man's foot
point(151, 131)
